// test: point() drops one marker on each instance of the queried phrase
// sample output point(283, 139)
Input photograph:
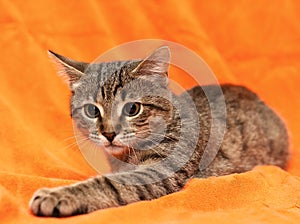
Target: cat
point(127, 108)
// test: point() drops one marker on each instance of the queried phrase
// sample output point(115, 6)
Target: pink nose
point(109, 135)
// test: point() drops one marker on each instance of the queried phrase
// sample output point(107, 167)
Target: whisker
point(152, 148)
point(77, 142)
point(135, 154)
point(158, 135)
point(69, 138)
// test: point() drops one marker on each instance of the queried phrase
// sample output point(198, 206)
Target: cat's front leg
point(80, 198)
point(113, 190)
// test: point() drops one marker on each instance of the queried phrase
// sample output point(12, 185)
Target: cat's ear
point(156, 63)
point(69, 69)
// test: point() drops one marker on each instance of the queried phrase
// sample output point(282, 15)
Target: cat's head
point(120, 105)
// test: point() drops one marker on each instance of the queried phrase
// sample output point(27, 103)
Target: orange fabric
point(254, 44)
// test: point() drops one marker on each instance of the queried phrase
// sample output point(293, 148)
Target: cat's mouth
point(114, 148)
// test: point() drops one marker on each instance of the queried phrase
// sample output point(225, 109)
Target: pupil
point(92, 111)
point(131, 109)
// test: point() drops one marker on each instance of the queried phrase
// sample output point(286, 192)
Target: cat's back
point(228, 92)
point(238, 102)
point(230, 101)
point(254, 135)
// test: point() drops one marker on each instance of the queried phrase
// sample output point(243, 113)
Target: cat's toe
point(47, 202)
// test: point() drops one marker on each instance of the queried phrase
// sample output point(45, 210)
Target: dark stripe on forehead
point(102, 92)
point(118, 81)
point(110, 77)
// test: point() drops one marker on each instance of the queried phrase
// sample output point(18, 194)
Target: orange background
point(253, 43)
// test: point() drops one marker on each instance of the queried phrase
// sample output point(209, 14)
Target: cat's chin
point(116, 150)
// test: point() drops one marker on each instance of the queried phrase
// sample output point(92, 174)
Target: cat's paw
point(55, 202)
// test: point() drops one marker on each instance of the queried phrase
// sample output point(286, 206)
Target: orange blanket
point(254, 44)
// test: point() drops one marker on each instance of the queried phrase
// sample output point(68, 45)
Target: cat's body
point(254, 133)
point(127, 108)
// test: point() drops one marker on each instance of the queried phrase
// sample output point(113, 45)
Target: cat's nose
point(109, 135)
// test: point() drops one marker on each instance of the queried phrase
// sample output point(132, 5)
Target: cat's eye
point(91, 111)
point(132, 109)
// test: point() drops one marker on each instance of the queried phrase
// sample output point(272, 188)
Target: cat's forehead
point(105, 69)
point(103, 80)
point(111, 82)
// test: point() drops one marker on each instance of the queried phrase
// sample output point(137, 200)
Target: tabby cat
point(126, 108)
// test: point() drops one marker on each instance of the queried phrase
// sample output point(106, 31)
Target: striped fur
point(164, 144)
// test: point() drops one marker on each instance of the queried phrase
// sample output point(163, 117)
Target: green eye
point(131, 109)
point(91, 111)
